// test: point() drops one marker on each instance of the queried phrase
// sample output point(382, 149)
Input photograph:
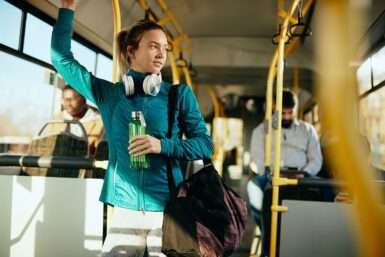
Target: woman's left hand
point(144, 144)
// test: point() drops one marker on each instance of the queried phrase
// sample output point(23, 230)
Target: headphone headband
point(151, 84)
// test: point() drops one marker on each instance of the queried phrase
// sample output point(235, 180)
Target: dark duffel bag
point(207, 218)
point(204, 217)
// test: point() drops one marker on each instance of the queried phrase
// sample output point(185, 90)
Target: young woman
point(138, 195)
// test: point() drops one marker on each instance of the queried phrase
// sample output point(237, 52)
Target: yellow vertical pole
point(269, 107)
point(117, 28)
point(115, 74)
point(337, 93)
point(277, 135)
point(218, 154)
point(281, 52)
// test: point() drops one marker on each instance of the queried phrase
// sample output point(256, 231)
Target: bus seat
point(318, 229)
point(285, 193)
point(54, 143)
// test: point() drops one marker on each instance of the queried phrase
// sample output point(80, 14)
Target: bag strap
point(172, 101)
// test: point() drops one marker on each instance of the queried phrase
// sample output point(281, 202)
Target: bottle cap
point(136, 115)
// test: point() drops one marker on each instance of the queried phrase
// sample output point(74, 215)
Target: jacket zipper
point(141, 175)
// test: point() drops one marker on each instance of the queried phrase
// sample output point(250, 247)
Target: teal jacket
point(143, 189)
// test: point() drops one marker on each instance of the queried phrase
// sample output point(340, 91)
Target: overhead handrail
point(303, 28)
point(276, 37)
point(182, 35)
point(169, 17)
point(296, 42)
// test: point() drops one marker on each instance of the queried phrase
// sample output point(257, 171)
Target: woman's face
point(151, 54)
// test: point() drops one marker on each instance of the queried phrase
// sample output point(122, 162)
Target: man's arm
point(257, 148)
point(314, 155)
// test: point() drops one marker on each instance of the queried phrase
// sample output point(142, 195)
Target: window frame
point(27, 8)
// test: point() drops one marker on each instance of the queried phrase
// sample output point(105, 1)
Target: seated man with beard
point(300, 151)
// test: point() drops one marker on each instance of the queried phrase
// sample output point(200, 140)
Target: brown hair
point(131, 37)
point(289, 99)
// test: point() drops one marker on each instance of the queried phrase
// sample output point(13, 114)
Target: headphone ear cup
point(128, 82)
point(151, 84)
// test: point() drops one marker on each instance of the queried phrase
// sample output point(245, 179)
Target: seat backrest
point(318, 229)
point(57, 144)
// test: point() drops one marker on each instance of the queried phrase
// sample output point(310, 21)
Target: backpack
point(204, 217)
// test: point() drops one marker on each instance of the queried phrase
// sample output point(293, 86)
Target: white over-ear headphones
point(151, 84)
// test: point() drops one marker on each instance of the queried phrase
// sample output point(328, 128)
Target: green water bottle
point(136, 127)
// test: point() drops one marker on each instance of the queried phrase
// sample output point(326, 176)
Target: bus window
point(104, 67)
point(26, 102)
point(10, 18)
point(84, 55)
point(364, 74)
point(372, 121)
point(378, 60)
point(38, 38)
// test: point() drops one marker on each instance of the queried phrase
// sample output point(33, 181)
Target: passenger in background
point(76, 108)
point(300, 151)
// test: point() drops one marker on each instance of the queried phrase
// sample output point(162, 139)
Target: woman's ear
point(130, 52)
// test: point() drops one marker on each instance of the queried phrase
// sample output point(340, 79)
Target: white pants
point(132, 233)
